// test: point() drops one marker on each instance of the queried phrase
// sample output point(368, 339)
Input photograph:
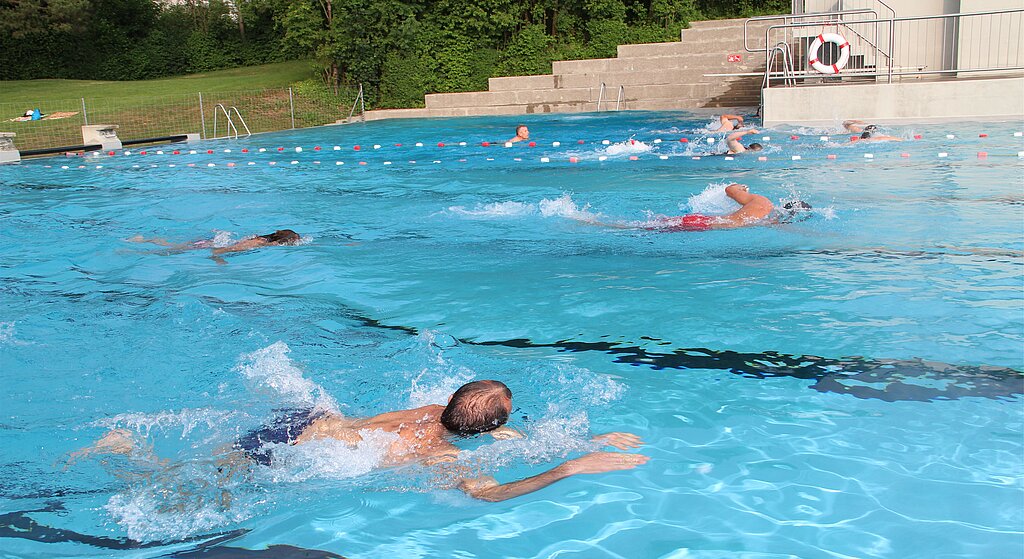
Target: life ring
point(844, 53)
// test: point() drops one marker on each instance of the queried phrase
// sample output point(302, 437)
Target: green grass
point(36, 93)
point(169, 106)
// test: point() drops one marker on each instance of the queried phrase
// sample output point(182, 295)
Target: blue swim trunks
point(285, 429)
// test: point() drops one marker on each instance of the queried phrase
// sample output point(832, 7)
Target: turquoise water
point(845, 386)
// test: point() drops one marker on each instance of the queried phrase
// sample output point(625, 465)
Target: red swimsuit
point(690, 222)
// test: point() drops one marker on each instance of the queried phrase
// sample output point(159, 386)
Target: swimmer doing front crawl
point(424, 435)
point(754, 210)
point(281, 237)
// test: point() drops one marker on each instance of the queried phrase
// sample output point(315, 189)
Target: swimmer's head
point(795, 210)
point(866, 134)
point(755, 147)
point(477, 407)
point(523, 132)
point(281, 237)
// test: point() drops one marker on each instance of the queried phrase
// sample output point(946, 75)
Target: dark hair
point(281, 237)
point(477, 407)
point(866, 134)
point(755, 147)
point(518, 126)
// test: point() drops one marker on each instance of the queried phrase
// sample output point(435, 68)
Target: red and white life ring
point(844, 53)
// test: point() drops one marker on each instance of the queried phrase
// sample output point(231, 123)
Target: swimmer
point(727, 123)
point(424, 435)
point(754, 211)
point(522, 134)
point(277, 238)
point(868, 132)
point(735, 147)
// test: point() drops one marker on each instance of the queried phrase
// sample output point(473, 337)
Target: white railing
point(942, 45)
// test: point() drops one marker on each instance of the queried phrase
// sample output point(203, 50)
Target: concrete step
point(382, 114)
point(686, 48)
point(705, 63)
point(582, 98)
point(521, 82)
point(612, 80)
point(516, 97)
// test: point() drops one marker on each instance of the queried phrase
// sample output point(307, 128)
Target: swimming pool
point(845, 386)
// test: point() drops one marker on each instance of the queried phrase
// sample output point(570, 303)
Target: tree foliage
point(399, 49)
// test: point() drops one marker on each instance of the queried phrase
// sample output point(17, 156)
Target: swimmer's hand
point(623, 441)
point(504, 433)
point(600, 462)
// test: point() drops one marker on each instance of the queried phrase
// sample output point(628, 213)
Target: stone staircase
point(654, 76)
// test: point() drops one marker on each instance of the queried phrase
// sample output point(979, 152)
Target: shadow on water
point(20, 525)
point(890, 380)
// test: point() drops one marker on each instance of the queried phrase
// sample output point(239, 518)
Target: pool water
point(848, 385)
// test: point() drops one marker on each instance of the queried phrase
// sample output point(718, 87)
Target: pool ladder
point(619, 101)
point(229, 123)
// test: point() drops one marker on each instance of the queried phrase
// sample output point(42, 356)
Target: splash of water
point(628, 147)
point(270, 372)
point(712, 201)
point(564, 206)
point(188, 419)
point(495, 209)
point(329, 459)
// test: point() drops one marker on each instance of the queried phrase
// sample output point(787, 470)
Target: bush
point(527, 54)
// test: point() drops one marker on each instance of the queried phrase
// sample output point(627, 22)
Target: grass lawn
point(37, 92)
point(168, 106)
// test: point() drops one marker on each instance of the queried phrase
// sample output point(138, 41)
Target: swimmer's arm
point(727, 118)
point(853, 126)
point(733, 140)
point(240, 246)
point(486, 488)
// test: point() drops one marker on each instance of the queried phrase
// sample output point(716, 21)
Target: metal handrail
point(786, 17)
point(788, 69)
point(229, 126)
point(362, 106)
point(600, 97)
point(892, 21)
point(240, 119)
point(793, 5)
point(621, 98)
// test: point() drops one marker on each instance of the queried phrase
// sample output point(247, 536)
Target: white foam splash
point(7, 334)
point(495, 209)
point(222, 239)
point(188, 419)
point(269, 371)
point(565, 207)
point(178, 503)
point(712, 201)
point(628, 147)
point(554, 436)
point(329, 458)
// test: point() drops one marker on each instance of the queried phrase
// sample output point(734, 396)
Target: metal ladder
point(229, 123)
point(618, 101)
point(788, 70)
point(362, 106)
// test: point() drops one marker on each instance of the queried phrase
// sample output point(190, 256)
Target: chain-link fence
point(205, 114)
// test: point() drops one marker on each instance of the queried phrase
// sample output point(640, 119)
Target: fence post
point(291, 105)
point(202, 115)
point(85, 115)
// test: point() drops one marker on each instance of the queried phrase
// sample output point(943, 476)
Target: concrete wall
point(982, 99)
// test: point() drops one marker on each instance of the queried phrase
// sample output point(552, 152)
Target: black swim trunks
point(285, 429)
